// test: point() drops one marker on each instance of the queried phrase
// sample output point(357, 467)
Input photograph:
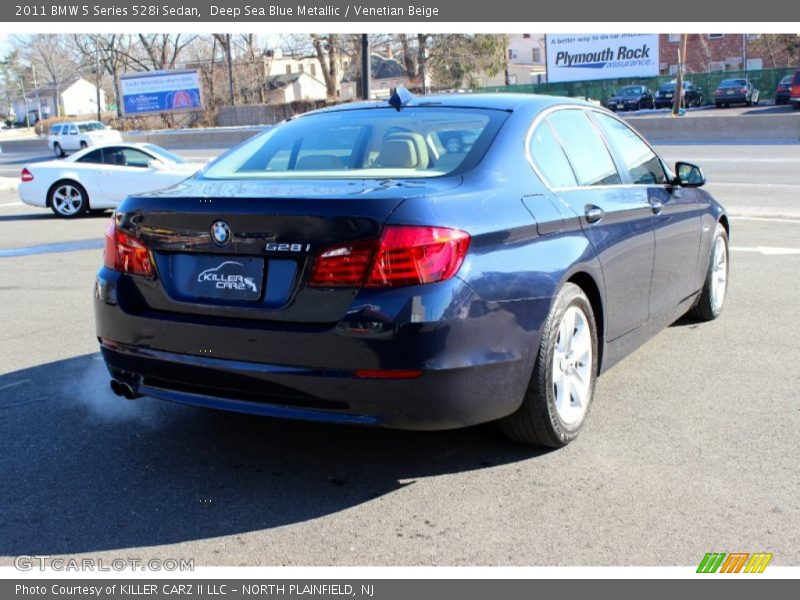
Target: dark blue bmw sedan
point(427, 263)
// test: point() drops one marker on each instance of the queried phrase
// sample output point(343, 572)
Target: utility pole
point(8, 89)
point(25, 101)
point(677, 104)
point(36, 92)
point(97, 78)
point(230, 66)
point(744, 54)
point(366, 75)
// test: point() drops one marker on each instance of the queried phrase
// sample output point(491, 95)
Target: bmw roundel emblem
point(220, 233)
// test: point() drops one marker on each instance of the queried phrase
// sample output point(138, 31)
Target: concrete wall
point(657, 129)
point(742, 128)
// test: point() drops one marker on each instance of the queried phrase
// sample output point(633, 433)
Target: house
point(526, 62)
point(386, 73)
point(72, 98)
point(714, 52)
point(292, 87)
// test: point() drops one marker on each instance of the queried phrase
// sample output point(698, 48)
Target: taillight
point(405, 255)
point(414, 255)
point(718, 92)
point(125, 253)
point(795, 91)
point(342, 266)
point(743, 90)
point(26, 175)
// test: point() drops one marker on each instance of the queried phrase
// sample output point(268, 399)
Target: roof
point(50, 90)
point(381, 67)
point(277, 82)
point(507, 102)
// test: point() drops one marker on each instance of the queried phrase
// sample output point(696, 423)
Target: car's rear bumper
point(474, 366)
point(736, 98)
point(30, 193)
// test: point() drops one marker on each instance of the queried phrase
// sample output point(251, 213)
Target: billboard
point(583, 57)
point(160, 91)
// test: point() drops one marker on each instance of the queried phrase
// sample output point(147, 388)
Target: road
point(691, 446)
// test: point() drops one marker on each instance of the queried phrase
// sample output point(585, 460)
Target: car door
point(127, 171)
point(69, 137)
point(676, 215)
point(617, 220)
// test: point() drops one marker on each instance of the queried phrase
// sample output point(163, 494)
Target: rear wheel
point(68, 199)
point(709, 304)
point(57, 150)
point(84, 145)
point(562, 385)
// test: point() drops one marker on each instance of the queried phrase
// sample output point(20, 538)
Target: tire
point(712, 298)
point(68, 199)
point(84, 145)
point(795, 105)
point(717, 105)
point(58, 150)
point(551, 415)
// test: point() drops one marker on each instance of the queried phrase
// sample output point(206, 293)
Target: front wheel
point(712, 297)
point(69, 199)
point(562, 384)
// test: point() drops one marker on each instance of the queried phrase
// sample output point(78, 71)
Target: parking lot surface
point(691, 446)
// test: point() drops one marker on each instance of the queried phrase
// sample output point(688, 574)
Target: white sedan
point(100, 178)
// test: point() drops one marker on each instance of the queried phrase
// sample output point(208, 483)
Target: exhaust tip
point(123, 389)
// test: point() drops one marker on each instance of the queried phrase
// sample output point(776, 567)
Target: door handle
point(657, 207)
point(593, 213)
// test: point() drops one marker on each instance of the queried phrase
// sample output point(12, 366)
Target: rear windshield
point(733, 83)
point(631, 91)
point(372, 143)
point(91, 126)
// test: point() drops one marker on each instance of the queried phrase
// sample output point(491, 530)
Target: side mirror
point(689, 175)
point(156, 165)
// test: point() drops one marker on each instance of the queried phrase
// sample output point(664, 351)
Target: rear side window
point(585, 149)
point(95, 156)
point(548, 156)
point(642, 163)
point(55, 130)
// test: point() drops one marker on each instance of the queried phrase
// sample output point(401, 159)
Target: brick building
point(715, 52)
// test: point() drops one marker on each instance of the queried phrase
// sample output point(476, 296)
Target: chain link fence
point(765, 81)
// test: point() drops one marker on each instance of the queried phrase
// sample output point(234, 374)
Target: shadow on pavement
point(84, 470)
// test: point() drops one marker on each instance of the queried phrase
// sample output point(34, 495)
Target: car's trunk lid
point(267, 233)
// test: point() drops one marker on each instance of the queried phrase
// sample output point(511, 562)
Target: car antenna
point(400, 97)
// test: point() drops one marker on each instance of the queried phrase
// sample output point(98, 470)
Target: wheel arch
point(590, 287)
point(723, 220)
point(68, 179)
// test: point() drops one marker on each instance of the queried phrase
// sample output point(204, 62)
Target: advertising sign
point(582, 57)
point(160, 91)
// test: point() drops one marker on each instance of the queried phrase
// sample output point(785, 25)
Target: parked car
point(100, 178)
point(735, 91)
point(72, 136)
point(383, 282)
point(794, 92)
point(783, 91)
point(665, 95)
point(631, 97)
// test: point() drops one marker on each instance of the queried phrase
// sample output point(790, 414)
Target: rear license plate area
point(232, 278)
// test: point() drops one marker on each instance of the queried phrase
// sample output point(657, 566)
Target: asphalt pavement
point(691, 446)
